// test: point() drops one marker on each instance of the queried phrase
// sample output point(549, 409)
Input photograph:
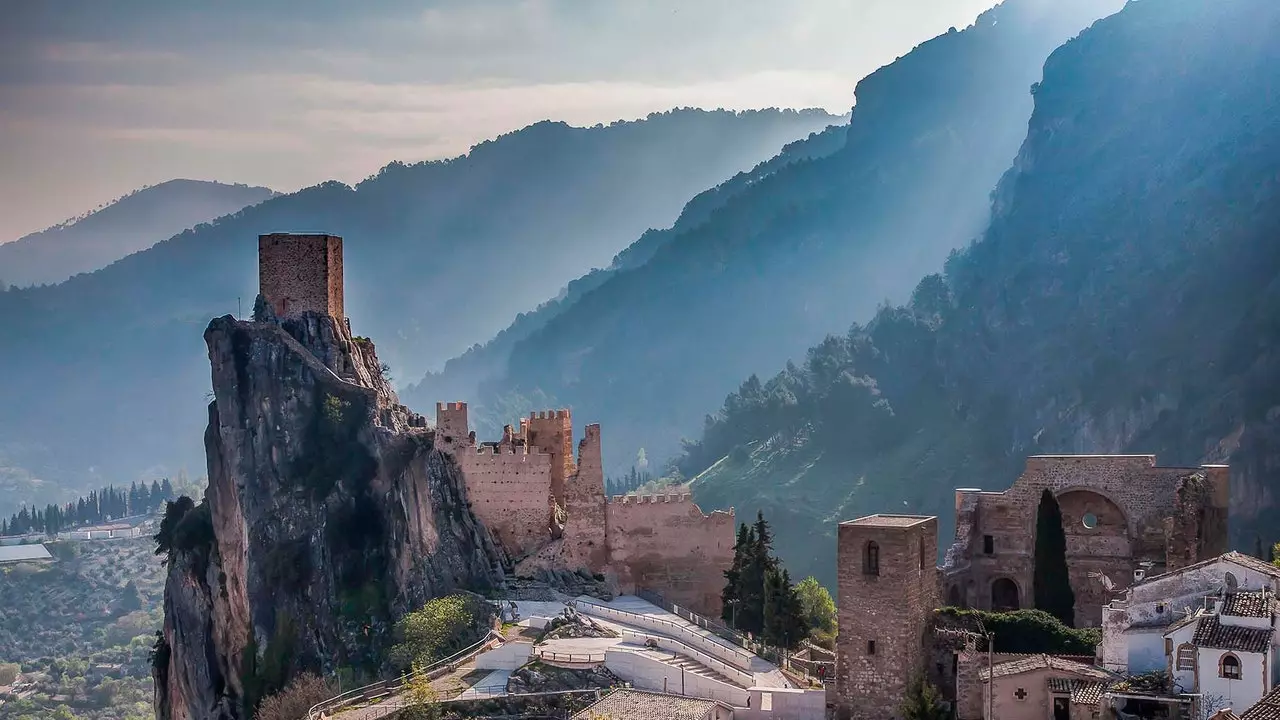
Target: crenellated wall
point(663, 543)
point(666, 543)
point(508, 483)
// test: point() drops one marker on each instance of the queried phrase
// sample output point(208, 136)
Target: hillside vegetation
point(1125, 298)
point(798, 250)
point(134, 222)
point(107, 374)
point(81, 630)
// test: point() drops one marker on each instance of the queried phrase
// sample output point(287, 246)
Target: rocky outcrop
point(329, 514)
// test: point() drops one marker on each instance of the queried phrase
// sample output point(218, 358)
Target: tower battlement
point(300, 273)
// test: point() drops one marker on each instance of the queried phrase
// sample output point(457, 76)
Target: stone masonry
point(887, 592)
point(301, 273)
point(550, 512)
point(1121, 514)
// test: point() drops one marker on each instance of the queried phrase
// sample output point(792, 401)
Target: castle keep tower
point(888, 587)
point(301, 273)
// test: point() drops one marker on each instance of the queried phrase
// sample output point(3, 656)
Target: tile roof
point(1211, 633)
point(1268, 708)
point(1247, 561)
point(1224, 714)
point(1083, 692)
point(1041, 662)
point(1247, 604)
point(630, 704)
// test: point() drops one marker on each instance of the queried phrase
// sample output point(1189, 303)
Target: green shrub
point(442, 627)
point(1027, 631)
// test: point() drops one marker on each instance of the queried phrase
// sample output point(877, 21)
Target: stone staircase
point(684, 663)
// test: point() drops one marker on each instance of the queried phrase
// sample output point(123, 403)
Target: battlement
point(642, 499)
point(300, 273)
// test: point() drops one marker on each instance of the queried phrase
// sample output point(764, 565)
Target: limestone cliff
point(329, 513)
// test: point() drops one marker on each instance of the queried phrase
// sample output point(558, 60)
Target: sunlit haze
point(102, 98)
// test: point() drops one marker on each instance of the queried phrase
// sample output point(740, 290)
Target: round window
point(1090, 520)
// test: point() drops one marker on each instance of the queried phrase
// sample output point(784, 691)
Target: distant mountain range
point(801, 246)
point(134, 222)
point(1125, 299)
point(106, 374)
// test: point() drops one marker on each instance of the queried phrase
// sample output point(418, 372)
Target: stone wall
point(887, 591)
point(1118, 511)
point(552, 432)
point(301, 273)
point(508, 483)
point(661, 543)
point(665, 543)
point(585, 528)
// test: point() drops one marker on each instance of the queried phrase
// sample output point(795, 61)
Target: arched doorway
point(953, 597)
point(1004, 595)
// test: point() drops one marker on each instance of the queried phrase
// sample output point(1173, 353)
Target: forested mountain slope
point(106, 374)
point(802, 251)
point(134, 222)
point(463, 376)
point(1125, 299)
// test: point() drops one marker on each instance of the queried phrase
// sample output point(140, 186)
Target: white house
point(1134, 628)
point(1225, 652)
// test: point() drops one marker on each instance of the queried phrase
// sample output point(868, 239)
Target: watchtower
point(888, 587)
point(451, 424)
point(300, 273)
point(552, 433)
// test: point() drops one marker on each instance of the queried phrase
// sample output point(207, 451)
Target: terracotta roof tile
point(1211, 633)
point(1040, 662)
point(1268, 708)
point(1083, 692)
point(640, 705)
point(1247, 604)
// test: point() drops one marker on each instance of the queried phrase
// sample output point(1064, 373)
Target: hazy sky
point(98, 98)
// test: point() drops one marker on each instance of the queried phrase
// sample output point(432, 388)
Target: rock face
point(329, 514)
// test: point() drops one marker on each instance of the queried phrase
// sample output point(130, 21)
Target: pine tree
point(923, 701)
point(1053, 592)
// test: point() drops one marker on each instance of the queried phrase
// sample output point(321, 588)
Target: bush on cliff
point(295, 699)
point(1025, 631)
point(442, 627)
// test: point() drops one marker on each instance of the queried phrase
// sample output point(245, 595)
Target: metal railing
point(734, 674)
point(385, 690)
point(679, 628)
point(570, 657)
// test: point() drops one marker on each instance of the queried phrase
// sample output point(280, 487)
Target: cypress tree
point(1053, 592)
point(732, 576)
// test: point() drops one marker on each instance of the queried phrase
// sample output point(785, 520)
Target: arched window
point(953, 596)
point(871, 559)
point(1186, 657)
point(1229, 667)
point(1004, 595)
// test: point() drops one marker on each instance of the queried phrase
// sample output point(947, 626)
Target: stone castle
point(1124, 517)
point(547, 510)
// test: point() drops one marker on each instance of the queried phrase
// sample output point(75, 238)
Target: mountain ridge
point(128, 224)
point(527, 213)
point(1123, 300)
point(648, 349)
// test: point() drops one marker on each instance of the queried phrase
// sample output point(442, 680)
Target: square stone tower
point(888, 587)
point(300, 273)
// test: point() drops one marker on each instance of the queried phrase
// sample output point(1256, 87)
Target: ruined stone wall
point(1118, 511)
point(884, 611)
point(301, 273)
point(585, 528)
point(508, 483)
point(665, 543)
point(551, 432)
